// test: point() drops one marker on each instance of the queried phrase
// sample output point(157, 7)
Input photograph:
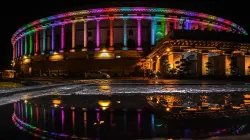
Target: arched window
point(89, 34)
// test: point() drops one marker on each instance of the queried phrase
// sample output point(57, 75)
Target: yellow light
point(56, 105)
point(104, 103)
point(104, 50)
point(168, 49)
point(104, 108)
point(55, 53)
point(25, 101)
point(84, 109)
point(167, 109)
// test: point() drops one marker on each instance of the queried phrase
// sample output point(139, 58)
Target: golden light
point(104, 108)
point(25, 57)
point(168, 49)
point(25, 101)
point(26, 61)
point(104, 54)
point(72, 108)
point(56, 57)
point(104, 103)
point(104, 50)
point(247, 96)
point(56, 105)
point(168, 109)
point(55, 53)
point(56, 101)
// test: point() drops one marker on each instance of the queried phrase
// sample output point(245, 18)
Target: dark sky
point(17, 14)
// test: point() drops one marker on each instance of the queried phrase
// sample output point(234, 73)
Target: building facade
point(108, 39)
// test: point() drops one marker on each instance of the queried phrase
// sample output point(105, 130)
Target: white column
point(85, 37)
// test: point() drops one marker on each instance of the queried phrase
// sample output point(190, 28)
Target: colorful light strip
point(31, 44)
point(125, 33)
point(139, 32)
point(97, 33)
point(21, 49)
point(153, 28)
point(111, 32)
point(37, 41)
point(44, 40)
point(52, 38)
point(85, 37)
point(73, 35)
point(62, 37)
point(125, 9)
point(25, 45)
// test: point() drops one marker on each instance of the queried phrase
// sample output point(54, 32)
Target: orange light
point(56, 101)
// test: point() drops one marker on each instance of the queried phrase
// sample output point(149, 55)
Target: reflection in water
point(135, 116)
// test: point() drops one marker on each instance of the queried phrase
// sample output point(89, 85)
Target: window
point(89, 33)
point(130, 32)
point(118, 55)
point(158, 23)
point(108, 33)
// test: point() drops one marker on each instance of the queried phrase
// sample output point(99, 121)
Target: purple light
point(53, 38)
point(97, 49)
point(138, 48)
point(139, 32)
point(97, 33)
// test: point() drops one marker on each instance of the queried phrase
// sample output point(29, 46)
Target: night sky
point(16, 14)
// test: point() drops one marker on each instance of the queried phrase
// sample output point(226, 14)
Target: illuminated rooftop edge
point(126, 9)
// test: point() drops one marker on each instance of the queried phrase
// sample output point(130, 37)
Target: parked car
point(97, 75)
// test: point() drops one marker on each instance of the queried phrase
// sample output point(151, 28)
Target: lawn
point(10, 85)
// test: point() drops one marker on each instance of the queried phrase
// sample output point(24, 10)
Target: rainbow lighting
point(40, 36)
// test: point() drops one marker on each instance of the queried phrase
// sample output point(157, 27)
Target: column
point(97, 35)
point(17, 48)
point(139, 34)
point(85, 36)
point(153, 30)
point(111, 35)
point(125, 34)
point(31, 44)
point(181, 22)
point(190, 25)
point(247, 64)
point(37, 42)
point(186, 25)
point(167, 26)
point(52, 39)
point(21, 49)
point(176, 24)
point(173, 57)
point(202, 59)
point(25, 45)
point(62, 38)
point(157, 64)
point(201, 27)
point(227, 64)
point(14, 51)
point(73, 37)
point(44, 41)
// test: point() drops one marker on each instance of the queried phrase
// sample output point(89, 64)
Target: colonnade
point(24, 45)
point(221, 63)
